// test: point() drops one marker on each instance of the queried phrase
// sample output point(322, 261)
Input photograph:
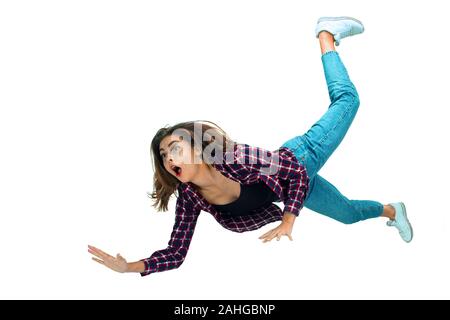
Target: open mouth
point(176, 169)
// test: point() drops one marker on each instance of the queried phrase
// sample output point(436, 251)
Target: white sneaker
point(339, 27)
point(401, 221)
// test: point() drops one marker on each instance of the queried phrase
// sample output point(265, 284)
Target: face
point(178, 158)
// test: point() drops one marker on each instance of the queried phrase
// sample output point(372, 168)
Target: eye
point(175, 148)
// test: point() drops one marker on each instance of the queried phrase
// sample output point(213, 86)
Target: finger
point(278, 238)
point(265, 234)
point(93, 248)
point(98, 260)
point(267, 238)
point(103, 253)
point(105, 257)
point(95, 253)
point(99, 253)
point(273, 235)
point(290, 238)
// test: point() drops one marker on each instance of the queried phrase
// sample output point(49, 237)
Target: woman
point(238, 184)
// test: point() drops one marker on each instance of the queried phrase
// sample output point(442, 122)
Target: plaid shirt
point(287, 178)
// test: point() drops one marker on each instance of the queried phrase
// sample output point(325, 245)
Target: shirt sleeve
point(173, 256)
point(298, 186)
point(283, 165)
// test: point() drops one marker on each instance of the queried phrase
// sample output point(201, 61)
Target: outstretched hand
point(284, 229)
point(117, 263)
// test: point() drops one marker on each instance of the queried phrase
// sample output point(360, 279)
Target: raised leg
point(324, 136)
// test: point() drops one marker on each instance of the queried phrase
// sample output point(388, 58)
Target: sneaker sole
point(407, 220)
point(339, 19)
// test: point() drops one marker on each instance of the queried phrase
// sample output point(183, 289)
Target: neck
point(207, 178)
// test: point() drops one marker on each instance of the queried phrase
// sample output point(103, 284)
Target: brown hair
point(165, 184)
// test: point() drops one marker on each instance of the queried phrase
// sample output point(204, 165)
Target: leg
point(324, 198)
point(388, 212)
point(320, 141)
point(326, 41)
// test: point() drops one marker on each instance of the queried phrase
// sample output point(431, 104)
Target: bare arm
point(289, 217)
point(137, 266)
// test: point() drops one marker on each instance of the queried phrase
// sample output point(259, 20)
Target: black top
point(252, 197)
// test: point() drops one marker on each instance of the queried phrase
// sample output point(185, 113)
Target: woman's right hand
point(118, 263)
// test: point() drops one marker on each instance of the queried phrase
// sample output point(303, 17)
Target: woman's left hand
point(284, 229)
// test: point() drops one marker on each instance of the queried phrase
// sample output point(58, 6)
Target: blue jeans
point(315, 147)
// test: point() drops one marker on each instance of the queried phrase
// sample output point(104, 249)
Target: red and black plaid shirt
point(279, 169)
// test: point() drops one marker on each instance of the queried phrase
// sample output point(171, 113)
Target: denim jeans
point(313, 148)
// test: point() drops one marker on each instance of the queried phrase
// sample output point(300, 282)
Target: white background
point(84, 86)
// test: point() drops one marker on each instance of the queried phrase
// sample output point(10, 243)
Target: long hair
point(210, 136)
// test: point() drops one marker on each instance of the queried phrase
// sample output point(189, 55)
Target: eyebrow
point(162, 149)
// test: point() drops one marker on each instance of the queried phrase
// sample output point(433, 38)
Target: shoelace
point(393, 223)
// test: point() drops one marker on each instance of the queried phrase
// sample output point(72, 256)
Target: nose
point(170, 162)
